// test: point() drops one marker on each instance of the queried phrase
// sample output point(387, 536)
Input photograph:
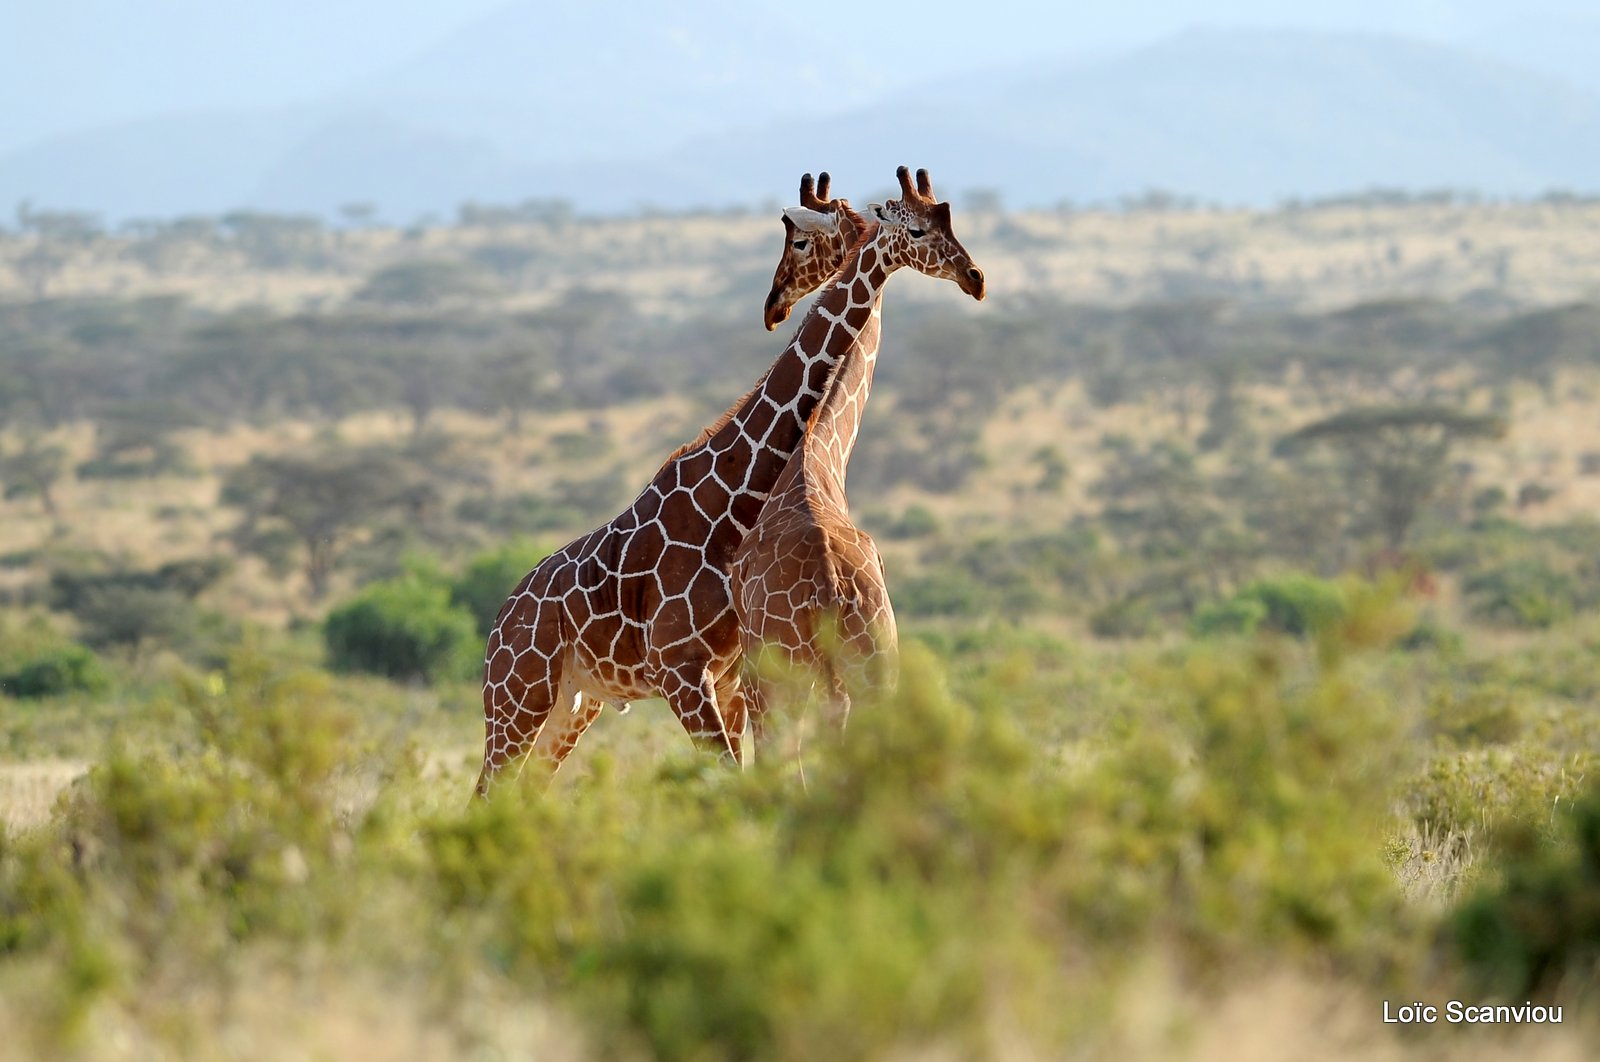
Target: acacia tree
point(33, 471)
point(1394, 457)
point(318, 503)
point(138, 439)
point(47, 380)
point(1535, 345)
point(520, 375)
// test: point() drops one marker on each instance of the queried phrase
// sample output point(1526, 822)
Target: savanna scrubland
point(1247, 567)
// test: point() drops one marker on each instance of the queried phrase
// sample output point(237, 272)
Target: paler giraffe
point(641, 607)
point(808, 584)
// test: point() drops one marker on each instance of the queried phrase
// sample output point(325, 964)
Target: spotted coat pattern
point(808, 584)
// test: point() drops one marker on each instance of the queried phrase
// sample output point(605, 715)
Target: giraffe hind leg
point(563, 729)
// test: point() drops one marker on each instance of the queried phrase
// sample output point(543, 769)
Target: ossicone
point(814, 196)
point(906, 190)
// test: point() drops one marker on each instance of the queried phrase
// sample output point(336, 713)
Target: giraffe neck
point(836, 422)
point(761, 433)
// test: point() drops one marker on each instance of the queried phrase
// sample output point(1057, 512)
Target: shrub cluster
point(425, 625)
point(38, 661)
point(936, 863)
point(1536, 932)
point(403, 629)
point(1295, 604)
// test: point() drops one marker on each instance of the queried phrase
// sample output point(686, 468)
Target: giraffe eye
point(916, 234)
point(800, 245)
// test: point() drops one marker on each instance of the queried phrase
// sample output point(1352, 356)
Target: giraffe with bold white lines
point(641, 606)
point(808, 584)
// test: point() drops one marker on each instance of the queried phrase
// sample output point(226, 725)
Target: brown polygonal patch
point(711, 496)
point(678, 565)
point(644, 549)
point(687, 525)
point(785, 377)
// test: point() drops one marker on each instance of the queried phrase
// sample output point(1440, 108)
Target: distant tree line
point(1401, 387)
point(142, 369)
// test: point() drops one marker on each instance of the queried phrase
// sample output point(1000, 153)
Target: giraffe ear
point(807, 220)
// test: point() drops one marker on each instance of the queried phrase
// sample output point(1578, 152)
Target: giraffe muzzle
point(775, 312)
point(971, 282)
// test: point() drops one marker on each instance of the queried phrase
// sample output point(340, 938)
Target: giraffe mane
point(863, 235)
point(715, 426)
point(816, 411)
point(865, 230)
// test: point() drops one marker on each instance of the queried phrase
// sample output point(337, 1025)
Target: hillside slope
point(505, 113)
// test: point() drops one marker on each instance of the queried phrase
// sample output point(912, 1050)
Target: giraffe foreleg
point(735, 714)
point(756, 704)
point(515, 707)
point(691, 693)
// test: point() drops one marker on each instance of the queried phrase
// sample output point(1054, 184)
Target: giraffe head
point(916, 233)
point(816, 236)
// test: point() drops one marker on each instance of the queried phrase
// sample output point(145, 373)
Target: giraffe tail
point(838, 690)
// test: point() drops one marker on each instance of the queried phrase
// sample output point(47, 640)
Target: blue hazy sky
point(69, 64)
point(73, 64)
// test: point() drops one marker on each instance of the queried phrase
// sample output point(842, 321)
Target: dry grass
point(153, 521)
point(1286, 1015)
point(264, 1014)
point(28, 790)
point(1548, 441)
point(1432, 864)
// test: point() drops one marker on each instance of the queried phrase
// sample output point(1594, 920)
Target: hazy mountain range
point(715, 102)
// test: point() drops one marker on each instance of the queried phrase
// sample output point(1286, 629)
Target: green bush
point(1288, 604)
point(918, 521)
point(1128, 618)
point(38, 659)
point(1298, 604)
point(232, 832)
point(1536, 932)
point(141, 608)
point(53, 671)
point(490, 577)
point(945, 591)
point(1430, 633)
point(1237, 615)
point(1486, 715)
point(1525, 592)
point(1294, 604)
point(404, 629)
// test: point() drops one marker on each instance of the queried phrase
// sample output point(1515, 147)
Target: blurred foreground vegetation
point(1253, 665)
point(1006, 857)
